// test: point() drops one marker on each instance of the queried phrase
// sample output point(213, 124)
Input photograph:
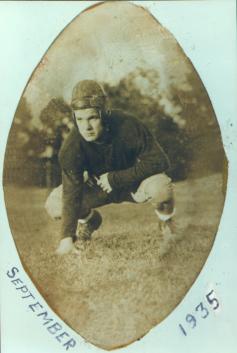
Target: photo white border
point(206, 30)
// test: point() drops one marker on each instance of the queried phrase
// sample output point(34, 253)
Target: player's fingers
point(105, 188)
point(108, 187)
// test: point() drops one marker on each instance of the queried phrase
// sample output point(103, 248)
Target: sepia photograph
point(114, 174)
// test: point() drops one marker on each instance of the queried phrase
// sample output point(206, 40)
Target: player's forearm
point(151, 160)
point(72, 199)
point(135, 174)
point(69, 218)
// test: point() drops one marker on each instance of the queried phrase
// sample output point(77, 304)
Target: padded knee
point(157, 189)
point(53, 204)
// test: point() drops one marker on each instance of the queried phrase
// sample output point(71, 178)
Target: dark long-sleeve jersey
point(128, 153)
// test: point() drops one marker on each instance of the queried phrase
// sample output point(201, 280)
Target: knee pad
point(157, 189)
point(53, 204)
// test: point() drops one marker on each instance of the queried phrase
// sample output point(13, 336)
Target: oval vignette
point(118, 289)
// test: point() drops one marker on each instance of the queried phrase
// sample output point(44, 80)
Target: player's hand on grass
point(65, 246)
point(103, 182)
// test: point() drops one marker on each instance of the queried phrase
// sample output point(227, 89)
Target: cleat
point(80, 246)
point(86, 228)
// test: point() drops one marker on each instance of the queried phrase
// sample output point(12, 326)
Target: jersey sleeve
point(72, 166)
point(150, 159)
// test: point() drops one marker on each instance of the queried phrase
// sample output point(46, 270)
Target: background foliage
point(181, 118)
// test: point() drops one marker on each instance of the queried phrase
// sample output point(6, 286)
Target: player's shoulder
point(70, 147)
point(122, 116)
point(124, 121)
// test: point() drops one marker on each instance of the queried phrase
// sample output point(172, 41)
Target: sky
point(105, 43)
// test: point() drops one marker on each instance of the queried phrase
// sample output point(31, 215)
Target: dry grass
point(119, 288)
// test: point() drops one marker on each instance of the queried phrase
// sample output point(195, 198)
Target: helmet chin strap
point(74, 119)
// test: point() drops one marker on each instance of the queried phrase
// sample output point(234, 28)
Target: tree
point(16, 167)
point(139, 93)
point(56, 119)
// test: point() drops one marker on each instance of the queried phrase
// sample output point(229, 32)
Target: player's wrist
point(111, 180)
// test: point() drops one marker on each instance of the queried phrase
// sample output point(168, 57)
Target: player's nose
point(88, 126)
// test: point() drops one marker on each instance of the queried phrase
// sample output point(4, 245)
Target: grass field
point(119, 288)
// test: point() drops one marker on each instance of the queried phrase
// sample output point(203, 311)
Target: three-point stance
point(108, 157)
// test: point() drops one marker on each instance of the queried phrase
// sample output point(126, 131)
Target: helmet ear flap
point(74, 118)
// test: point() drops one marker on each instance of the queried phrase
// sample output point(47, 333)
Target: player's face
point(89, 124)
